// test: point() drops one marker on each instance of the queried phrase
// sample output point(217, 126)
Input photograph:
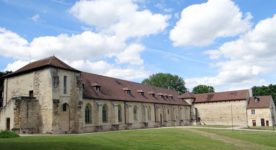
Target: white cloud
point(118, 24)
point(35, 18)
point(85, 51)
point(201, 24)
point(85, 45)
point(131, 55)
point(104, 68)
point(243, 61)
point(122, 18)
point(16, 65)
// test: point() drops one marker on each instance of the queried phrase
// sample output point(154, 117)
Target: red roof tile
point(259, 102)
point(115, 89)
point(222, 96)
point(187, 95)
point(47, 62)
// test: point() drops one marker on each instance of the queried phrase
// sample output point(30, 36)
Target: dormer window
point(151, 93)
point(170, 96)
point(161, 95)
point(166, 96)
point(127, 90)
point(141, 92)
point(96, 87)
point(256, 99)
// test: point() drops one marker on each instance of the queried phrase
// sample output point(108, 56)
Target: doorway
point(8, 123)
point(64, 118)
point(267, 123)
point(254, 123)
point(262, 122)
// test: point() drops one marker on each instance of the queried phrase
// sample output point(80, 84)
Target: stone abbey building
point(49, 96)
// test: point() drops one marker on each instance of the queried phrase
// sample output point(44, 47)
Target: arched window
point(88, 114)
point(104, 113)
point(119, 113)
point(149, 113)
point(135, 113)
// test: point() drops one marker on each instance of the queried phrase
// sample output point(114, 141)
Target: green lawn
point(263, 138)
point(174, 139)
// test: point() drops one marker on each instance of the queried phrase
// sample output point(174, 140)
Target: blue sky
point(223, 43)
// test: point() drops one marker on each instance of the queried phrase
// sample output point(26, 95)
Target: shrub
point(8, 134)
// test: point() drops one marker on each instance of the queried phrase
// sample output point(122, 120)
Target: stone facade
point(261, 116)
point(222, 113)
point(39, 102)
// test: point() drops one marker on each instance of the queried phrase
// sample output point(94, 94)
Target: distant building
point(261, 111)
point(49, 96)
point(237, 108)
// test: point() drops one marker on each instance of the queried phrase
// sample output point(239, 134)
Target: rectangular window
point(253, 111)
point(55, 81)
point(31, 93)
point(65, 84)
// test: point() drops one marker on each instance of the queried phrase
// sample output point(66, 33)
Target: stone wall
point(39, 82)
point(222, 113)
point(7, 112)
point(148, 115)
point(261, 113)
point(65, 121)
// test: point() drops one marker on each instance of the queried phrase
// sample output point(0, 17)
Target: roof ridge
point(222, 92)
point(150, 86)
point(50, 60)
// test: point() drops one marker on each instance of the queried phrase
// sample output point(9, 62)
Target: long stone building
point(49, 96)
point(237, 108)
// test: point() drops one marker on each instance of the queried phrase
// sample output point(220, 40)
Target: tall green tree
point(203, 89)
point(265, 90)
point(166, 80)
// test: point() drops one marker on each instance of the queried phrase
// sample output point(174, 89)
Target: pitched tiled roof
point(117, 89)
point(47, 62)
point(259, 102)
point(187, 95)
point(222, 96)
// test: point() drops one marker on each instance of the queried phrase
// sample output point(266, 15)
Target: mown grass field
point(148, 139)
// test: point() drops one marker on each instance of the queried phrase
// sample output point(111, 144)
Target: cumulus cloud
point(201, 24)
point(104, 68)
point(131, 55)
point(16, 65)
point(246, 58)
point(120, 17)
point(85, 45)
point(110, 50)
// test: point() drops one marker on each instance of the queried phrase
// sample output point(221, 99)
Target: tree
point(166, 80)
point(203, 89)
point(4, 73)
point(265, 90)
